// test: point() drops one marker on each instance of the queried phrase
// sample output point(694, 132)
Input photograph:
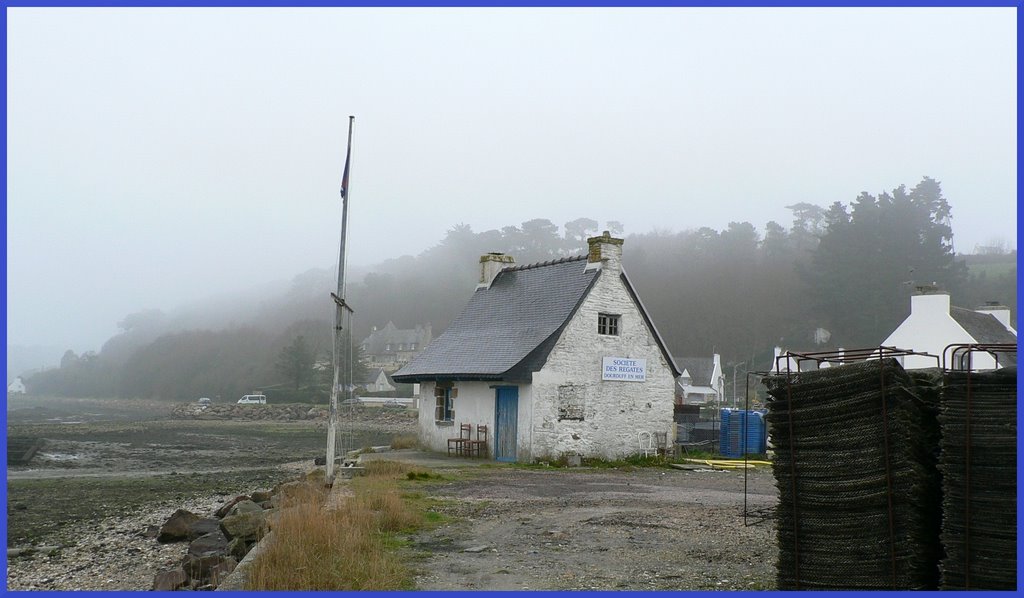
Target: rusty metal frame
point(961, 350)
point(838, 358)
point(761, 515)
point(844, 356)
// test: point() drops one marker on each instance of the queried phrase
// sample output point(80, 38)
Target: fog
point(161, 157)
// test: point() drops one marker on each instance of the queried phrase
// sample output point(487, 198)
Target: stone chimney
point(1000, 312)
point(605, 252)
point(929, 300)
point(490, 265)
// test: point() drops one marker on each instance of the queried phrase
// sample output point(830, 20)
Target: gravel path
point(644, 529)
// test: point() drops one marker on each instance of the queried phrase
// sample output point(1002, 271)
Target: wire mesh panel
point(856, 477)
point(979, 467)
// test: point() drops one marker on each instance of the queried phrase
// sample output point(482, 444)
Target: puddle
point(59, 456)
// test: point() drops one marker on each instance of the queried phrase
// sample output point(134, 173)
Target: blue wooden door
point(506, 414)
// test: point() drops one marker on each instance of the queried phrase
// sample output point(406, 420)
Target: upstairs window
point(608, 324)
point(444, 408)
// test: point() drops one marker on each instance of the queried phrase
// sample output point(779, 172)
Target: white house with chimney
point(555, 359)
point(933, 325)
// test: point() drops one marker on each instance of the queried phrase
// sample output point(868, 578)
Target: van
point(253, 400)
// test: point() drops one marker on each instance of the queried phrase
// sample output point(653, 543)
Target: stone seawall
point(295, 411)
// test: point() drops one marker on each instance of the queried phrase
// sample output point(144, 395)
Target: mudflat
point(78, 511)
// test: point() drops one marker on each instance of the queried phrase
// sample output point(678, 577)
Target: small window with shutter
point(444, 408)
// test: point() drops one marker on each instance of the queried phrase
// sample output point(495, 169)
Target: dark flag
point(348, 156)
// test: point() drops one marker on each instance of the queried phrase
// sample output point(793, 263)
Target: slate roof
point(373, 374)
point(985, 329)
point(700, 368)
point(389, 334)
point(518, 317)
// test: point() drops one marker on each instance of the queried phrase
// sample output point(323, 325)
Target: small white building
point(933, 325)
point(558, 358)
point(701, 382)
point(377, 381)
point(17, 387)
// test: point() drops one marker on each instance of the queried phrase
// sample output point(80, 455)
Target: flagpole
point(341, 330)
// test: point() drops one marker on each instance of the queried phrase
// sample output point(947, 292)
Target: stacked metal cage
point(979, 479)
point(857, 484)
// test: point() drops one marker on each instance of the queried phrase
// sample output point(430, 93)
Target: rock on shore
point(194, 545)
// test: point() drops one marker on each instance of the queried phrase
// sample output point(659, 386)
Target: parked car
point(353, 404)
point(253, 400)
point(393, 404)
point(204, 401)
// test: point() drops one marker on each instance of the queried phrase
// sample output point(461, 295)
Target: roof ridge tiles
point(573, 258)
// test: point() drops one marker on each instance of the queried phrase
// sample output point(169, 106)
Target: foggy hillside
point(739, 292)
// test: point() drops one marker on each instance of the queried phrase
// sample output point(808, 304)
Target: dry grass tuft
point(404, 442)
point(343, 549)
point(386, 469)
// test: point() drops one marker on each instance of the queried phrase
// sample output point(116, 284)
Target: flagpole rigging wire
point(340, 309)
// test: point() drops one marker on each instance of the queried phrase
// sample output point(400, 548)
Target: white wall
point(474, 405)
point(614, 410)
point(930, 329)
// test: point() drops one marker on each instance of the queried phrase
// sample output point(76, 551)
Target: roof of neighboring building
point(985, 329)
point(390, 335)
point(518, 316)
point(700, 369)
point(373, 374)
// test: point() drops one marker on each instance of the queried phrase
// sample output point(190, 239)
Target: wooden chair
point(478, 447)
point(465, 436)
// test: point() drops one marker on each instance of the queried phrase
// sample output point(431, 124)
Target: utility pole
point(342, 323)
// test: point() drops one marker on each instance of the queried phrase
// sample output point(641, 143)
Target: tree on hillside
point(615, 228)
point(576, 234)
point(295, 362)
point(325, 373)
point(808, 225)
point(871, 256)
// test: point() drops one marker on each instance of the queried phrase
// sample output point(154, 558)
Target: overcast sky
point(160, 156)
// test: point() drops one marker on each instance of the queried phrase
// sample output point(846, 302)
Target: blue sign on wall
point(624, 369)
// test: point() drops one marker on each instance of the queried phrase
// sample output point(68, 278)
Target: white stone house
point(702, 381)
point(933, 325)
point(557, 358)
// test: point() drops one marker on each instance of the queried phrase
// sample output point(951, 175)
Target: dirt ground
point(599, 529)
